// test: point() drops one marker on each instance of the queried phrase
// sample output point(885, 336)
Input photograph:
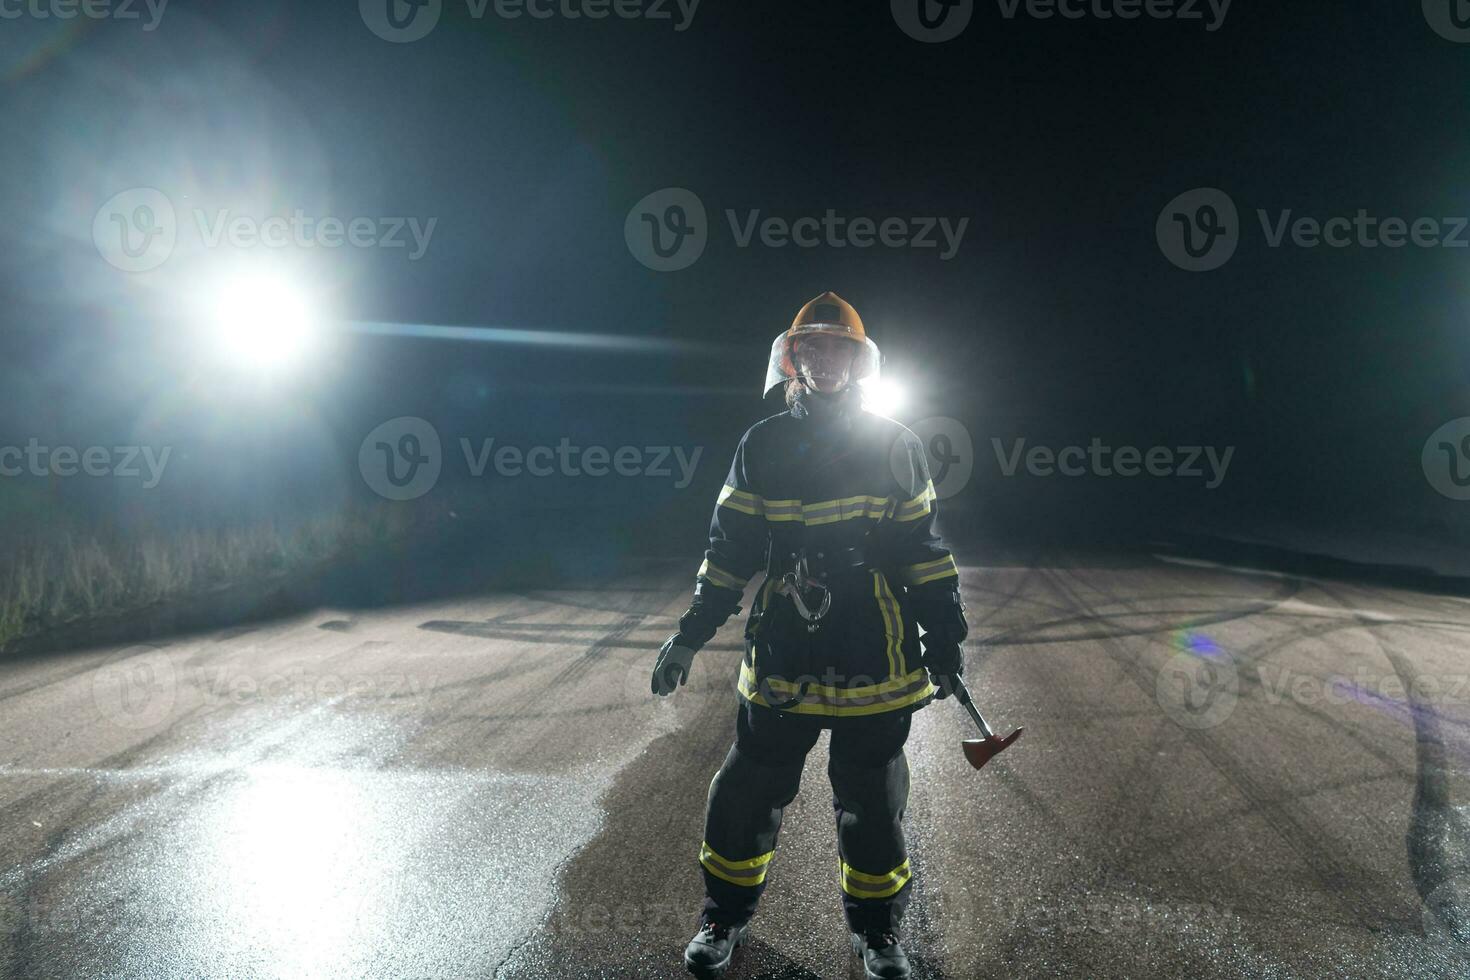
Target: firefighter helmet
point(826, 347)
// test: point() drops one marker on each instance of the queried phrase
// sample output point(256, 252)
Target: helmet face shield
point(826, 357)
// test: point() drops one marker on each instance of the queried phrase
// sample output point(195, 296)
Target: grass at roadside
point(51, 576)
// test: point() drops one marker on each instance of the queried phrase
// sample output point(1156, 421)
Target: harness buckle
point(796, 584)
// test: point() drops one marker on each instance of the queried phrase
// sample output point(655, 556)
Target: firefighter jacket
point(841, 499)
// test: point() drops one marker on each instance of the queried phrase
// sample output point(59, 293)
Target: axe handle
point(963, 693)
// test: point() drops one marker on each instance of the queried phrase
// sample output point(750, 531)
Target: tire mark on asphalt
point(1300, 831)
point(1438, 840)
point(1026, 635)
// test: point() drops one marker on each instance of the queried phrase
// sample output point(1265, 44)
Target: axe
point(981, 750)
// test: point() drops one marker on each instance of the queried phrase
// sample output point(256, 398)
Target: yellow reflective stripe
point(825, 511)
point(892, 624)
point(861, 885)
point(847, 509)
point(912, 510)
point(783, 686)
point(783, 510)
point(930, 571)
point(747, 873)
point(719, 576)
point(917, 685)
point(739, 500)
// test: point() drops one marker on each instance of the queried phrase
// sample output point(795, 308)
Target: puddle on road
point(295, 853)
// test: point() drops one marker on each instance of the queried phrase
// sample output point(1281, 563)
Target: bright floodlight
point(262, 320)
point(884, 397)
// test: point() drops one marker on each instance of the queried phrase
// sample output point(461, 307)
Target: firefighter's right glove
point(671, 669)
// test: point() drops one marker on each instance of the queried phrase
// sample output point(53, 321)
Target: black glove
point(712, 605)
point(941, 613)
point(671, 669)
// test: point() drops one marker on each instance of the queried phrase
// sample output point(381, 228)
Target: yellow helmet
point(833, 316)
point(829, 313)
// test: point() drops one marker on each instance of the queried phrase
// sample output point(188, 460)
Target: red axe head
point(981, 750)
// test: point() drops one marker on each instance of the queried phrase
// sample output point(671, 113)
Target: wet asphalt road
point(1224, 773)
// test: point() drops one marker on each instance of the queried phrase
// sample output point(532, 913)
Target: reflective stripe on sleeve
point(717, 575)
point(920, 506)
point(929, 571)
point(739, 500)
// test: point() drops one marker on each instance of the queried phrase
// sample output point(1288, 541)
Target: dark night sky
point(530, 141)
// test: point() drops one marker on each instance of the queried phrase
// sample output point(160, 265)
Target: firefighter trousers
point(760, 778)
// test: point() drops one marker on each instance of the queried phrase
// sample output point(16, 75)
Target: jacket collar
point(823, 409)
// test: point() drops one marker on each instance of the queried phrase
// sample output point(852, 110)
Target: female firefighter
point(835, 505)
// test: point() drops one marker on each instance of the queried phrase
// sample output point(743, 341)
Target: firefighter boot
point(883, 958)
point(708, 954)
